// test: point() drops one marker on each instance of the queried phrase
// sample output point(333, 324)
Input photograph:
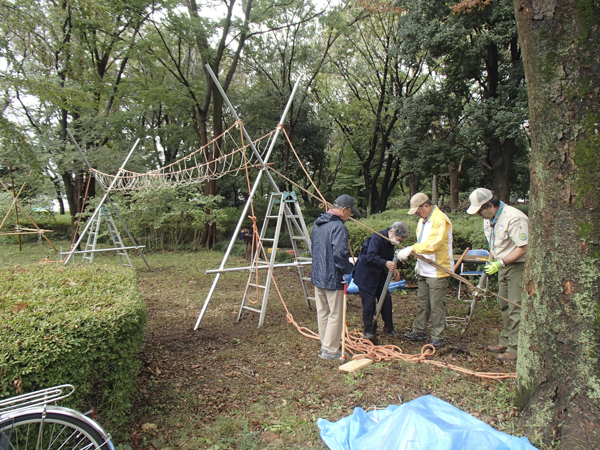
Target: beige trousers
point(330, 310)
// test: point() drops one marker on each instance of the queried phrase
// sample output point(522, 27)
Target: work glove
point(347, 278)
point(404, 253)
point(491, 267)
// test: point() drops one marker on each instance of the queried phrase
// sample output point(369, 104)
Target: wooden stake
point(457, 265)
point(355, 364)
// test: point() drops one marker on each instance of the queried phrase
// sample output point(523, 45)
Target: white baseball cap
point(478, 198)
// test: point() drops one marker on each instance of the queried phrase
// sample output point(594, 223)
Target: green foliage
point(167, 218)
point(81, 325)
point(283, 257)
point(467, 231)
point(237, 249)
point(478, 103)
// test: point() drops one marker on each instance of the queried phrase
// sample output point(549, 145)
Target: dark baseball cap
point(345, 201)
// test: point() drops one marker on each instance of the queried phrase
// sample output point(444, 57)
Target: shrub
point(81, 325)
point(283, 257)
point(237, 249)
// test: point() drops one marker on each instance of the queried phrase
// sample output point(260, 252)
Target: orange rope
point(364, 348)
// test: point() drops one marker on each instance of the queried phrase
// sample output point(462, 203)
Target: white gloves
point(404, 253)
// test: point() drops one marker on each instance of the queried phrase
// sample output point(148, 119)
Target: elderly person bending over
point(370, 273)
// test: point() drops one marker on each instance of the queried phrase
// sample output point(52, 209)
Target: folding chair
point(472, 273)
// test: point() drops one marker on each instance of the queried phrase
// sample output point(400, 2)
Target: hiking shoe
point(392, 333)
point(369, 335)
point(498, 348)
point(437, 343)
point(415, 336)
point(507, 356)
point(326, 355)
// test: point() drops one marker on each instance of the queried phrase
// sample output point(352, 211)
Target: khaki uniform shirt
point(511, 231)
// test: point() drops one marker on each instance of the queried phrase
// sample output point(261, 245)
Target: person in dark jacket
point(370, 273)
point(330, 264)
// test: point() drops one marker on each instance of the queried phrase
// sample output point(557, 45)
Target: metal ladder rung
point(290, 217)
point(304, 258)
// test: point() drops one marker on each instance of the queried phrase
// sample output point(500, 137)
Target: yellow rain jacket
point(434, 241)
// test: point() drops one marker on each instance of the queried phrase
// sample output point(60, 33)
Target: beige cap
point(478, 198)
point(416, 201)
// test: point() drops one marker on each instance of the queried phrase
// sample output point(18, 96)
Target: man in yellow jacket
point(434, 242)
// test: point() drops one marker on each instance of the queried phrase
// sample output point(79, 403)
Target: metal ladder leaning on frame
point(90, 246)
point(288, 209)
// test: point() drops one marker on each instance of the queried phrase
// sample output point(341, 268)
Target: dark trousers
point(369, 302)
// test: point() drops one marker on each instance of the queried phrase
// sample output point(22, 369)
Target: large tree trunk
point(502, 156)
point(434, 189)
point(558, 373)
point(454, 173)
point(412, 184)
point(75, 190)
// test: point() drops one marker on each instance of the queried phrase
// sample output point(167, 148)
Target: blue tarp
point(393, 287)
point(426, 423)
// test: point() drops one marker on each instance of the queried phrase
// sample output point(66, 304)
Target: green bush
point(237, 250)
point(81, 325)
point(283, 257)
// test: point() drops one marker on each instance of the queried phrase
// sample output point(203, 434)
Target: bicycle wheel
point(60, 429)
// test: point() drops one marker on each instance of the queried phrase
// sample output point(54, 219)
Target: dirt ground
point(232, 385)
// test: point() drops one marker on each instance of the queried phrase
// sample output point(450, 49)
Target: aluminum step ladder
point(282, 205)
point(115, 236)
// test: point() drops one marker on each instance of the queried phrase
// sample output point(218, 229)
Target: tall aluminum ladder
point(299, 235)
point(115, 236)
point(282, 205)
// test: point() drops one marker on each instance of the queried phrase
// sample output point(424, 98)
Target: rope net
point(233, 156)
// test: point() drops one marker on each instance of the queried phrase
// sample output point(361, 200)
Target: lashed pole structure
point(107, 197)
point(263, 169)
point(72, 251)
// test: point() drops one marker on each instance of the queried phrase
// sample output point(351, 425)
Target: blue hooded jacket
point(329, 252)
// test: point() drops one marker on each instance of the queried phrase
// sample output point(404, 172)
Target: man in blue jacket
point(330, 264)
point(370, 273)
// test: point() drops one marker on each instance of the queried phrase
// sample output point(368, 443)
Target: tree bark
point(412, 184)
point(558, 373)
point(454, 173)
point(502, 156)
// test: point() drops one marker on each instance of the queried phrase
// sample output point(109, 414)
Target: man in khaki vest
point(507, 232)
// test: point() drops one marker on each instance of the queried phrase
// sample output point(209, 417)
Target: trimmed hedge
point(81, 325)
